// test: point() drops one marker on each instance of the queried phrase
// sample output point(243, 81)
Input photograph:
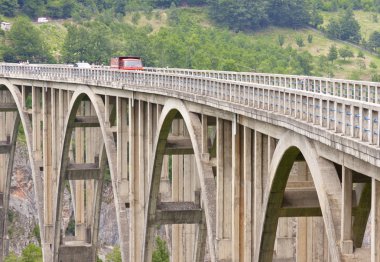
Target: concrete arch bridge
point(230, 166)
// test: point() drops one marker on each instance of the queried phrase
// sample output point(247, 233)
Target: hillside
point(186, 37)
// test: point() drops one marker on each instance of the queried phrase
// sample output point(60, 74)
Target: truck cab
point(127, 63)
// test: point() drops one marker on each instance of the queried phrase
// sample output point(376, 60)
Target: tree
point(27, 43)
point(288, 13)
point(31, 253)
point(333, 53)
point(299, 41)
point(90, 44)
point(161, 253)
point(349, 27)
point(281, 40)
point(345, 52)
point(316, 18)
point(33, 8)
point(310, 39)
point(12, 258)
point(372, 65)
point(8, 7)
point(374, 40)
point(239, 15)
point(114, 255)
point(345, 27)
point(360, 54)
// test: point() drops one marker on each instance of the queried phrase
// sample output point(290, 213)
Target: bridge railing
point(348, 108)
point(358, 90)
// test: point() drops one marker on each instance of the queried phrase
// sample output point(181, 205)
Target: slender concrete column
point(80, 227)
point(122, 150)
point(48, 148)
point(132, 174)
point(375, 221)
point(92, 138)
point(319, 240)
point(165, 187)
point(135, 173)
point(138, 175)
point(188, 195)
point(36, 121)
point(204, 134)
point(301, 240)
point(177, 194)
point(224, 189)
point(346, 227)
point(142, 174)
point(284, 239)
point(235, 212)
point(248, 193)
point(258, 186)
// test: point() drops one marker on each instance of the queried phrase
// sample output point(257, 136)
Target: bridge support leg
point(257, 186)
point(9, 122)
point(224, 190)
point(48, 154)
point(248, 184)
point(79, 200)
point(138, 175)
point(375, 222)
point(177, 194)
point(237, 199)
point(346, 227)
point(123, 180)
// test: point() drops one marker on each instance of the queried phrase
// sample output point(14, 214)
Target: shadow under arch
point(27, 126)
point(109, 148)
point(208, 186)
point(327, 185)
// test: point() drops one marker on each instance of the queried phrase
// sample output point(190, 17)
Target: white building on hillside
point(42, 20)
point(6, 26)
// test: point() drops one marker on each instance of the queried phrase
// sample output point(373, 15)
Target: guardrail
point(358, 90)
point(349, 108)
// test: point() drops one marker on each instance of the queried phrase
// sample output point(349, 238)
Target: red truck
point(127, 63)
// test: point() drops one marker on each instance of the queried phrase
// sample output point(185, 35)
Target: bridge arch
point(24, 120)
point(170, 111)
point(108, 152)
point(326, 182)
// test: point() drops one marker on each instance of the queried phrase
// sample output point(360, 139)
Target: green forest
point(200, 34)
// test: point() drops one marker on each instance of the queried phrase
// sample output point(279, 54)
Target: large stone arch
point(327, 185)
point(207, 182)
point(109, 148)
point(27, 126)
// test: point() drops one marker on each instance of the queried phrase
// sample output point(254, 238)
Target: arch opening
point(87, 145)
point(196, 200)
point(318, 195)
point(16, 128)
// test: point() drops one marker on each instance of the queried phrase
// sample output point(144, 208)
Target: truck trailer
point(127, 63)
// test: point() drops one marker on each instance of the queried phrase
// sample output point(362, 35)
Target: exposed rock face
point(22, 216)
point(23, 213)
point(108, 233)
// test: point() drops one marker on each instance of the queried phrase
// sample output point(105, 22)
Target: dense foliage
point(186, 44)
point(161, 252)
point(345, 27)
point(31, 253)
point(248, 14)
point(27, 43)
point(114, 255)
